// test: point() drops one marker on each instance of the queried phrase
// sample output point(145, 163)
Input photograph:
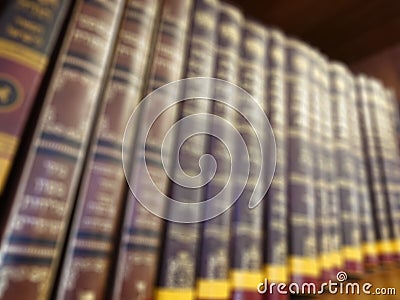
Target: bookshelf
point(334, 149)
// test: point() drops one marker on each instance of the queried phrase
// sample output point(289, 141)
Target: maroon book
point(36, 226)
point(138, 252)
point(89, 253)
point(28, 35)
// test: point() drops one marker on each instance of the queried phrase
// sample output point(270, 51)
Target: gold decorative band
point(174, 294)
point(213, 289)
point(246, 280)
point(276, 273)
point(23, 55)
point(307, 266)
point(352, 253)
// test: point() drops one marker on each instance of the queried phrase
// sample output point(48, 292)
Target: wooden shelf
point(346, 30)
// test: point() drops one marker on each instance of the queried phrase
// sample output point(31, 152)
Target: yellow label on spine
point(385, 247)
point(396, 246)
point(325, 261)
point(23, 55)
point(337, 258)
point(246, 280)
point(307, 266)
point(370, 249)
point(174, 294)
point(352, 253)
point(276, 273)
point(213, 289)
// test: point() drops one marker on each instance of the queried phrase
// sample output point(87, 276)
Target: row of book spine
point(73, 230)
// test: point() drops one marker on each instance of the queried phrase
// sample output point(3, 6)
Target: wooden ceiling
point(346, 30)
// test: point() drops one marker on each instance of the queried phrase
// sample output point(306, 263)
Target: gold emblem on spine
point(217, 266)
point(86, 295)
point(251, 259)
point(141, 288)
point(179, 272)
point(11, 93)
point(279, 252)
point(310, 246)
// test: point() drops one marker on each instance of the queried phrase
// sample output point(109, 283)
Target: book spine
point(341, 91)
point(303, 264)
point(331, 237)
point(247, 238)
point(141, 234)
point(321, 183)
point(36, 228)
point(275, 246)
point(376, 189)
point(213, 266)
point(391, 105)
point(394, 103)
point(28, 34)
point(367, 227)
point(388, 159)
point(180, 250)
point(99, 202)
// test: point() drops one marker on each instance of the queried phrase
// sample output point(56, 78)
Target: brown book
point(36, 227)
point(275, 216)
point(303, 262)
point(28, 35)
point(141, 234)
point(89, 253)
